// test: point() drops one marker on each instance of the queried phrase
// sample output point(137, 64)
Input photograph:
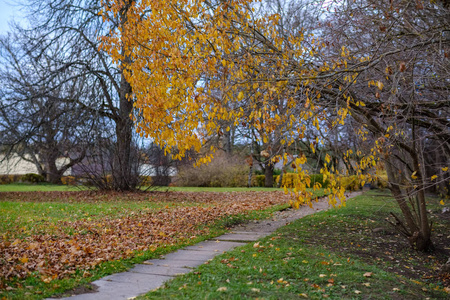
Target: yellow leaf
point(24, 259)
point(441, 202)
point(240, 96)
point(413, 175)
point(433, 177)
point(380, 85)
point(445, 169)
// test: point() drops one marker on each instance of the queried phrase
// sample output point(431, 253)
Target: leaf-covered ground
point(51, 235)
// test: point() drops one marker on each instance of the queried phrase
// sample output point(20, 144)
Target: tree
point(176, 48)
point(76, 26)
point(395, 78)
point(34, 123)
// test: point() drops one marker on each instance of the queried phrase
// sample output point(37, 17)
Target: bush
point(318, 178)
point(220, 172)
point(351, 183)
point(145, 180)
point(33, 178)
point(68, 180)
point(7, 179)
point(258, 180)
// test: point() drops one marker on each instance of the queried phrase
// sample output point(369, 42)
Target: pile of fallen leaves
point(90, 242)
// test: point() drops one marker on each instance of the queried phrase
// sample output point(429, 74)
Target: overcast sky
point(8, 11)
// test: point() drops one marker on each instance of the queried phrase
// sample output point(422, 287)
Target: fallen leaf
point(222, 289)
point(368, 274)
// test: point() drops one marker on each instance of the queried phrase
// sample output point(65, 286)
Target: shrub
point(258, 180)
point(351, 183)
point(32, 178)
point(7, 179)
point(145, 180)
point(68, 180)
point(222, 171)
point(318, 178)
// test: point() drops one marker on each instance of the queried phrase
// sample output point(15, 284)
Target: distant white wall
point(15, 165)
point(150, 170)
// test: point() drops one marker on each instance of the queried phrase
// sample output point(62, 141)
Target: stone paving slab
point(159, 270)
point(191, 255)
point(122, 286)
point(176, 263)
point(214, 245)
point(243, 236)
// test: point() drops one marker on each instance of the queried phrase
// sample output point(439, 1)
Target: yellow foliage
point(68, 180)
point(178, 54)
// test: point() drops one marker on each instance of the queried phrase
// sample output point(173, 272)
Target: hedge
point(289, 180)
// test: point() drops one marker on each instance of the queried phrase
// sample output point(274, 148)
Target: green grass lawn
point(347, 253)
point(217, 189)
point(47, 187)
point(40, 187)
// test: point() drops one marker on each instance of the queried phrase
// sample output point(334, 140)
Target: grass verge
point(347, 253)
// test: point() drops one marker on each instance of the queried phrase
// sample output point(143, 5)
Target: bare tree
point(394, 58)
point(34, 123)
point(76, 27)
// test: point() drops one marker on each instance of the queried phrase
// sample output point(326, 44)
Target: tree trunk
point(268, 172)
point(52, 173)
point(123, 177)
point(415, 228)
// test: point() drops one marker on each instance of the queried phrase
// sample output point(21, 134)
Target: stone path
point(152, 274)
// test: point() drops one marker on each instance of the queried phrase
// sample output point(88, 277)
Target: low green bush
point(260, 180)
point(33, 178)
